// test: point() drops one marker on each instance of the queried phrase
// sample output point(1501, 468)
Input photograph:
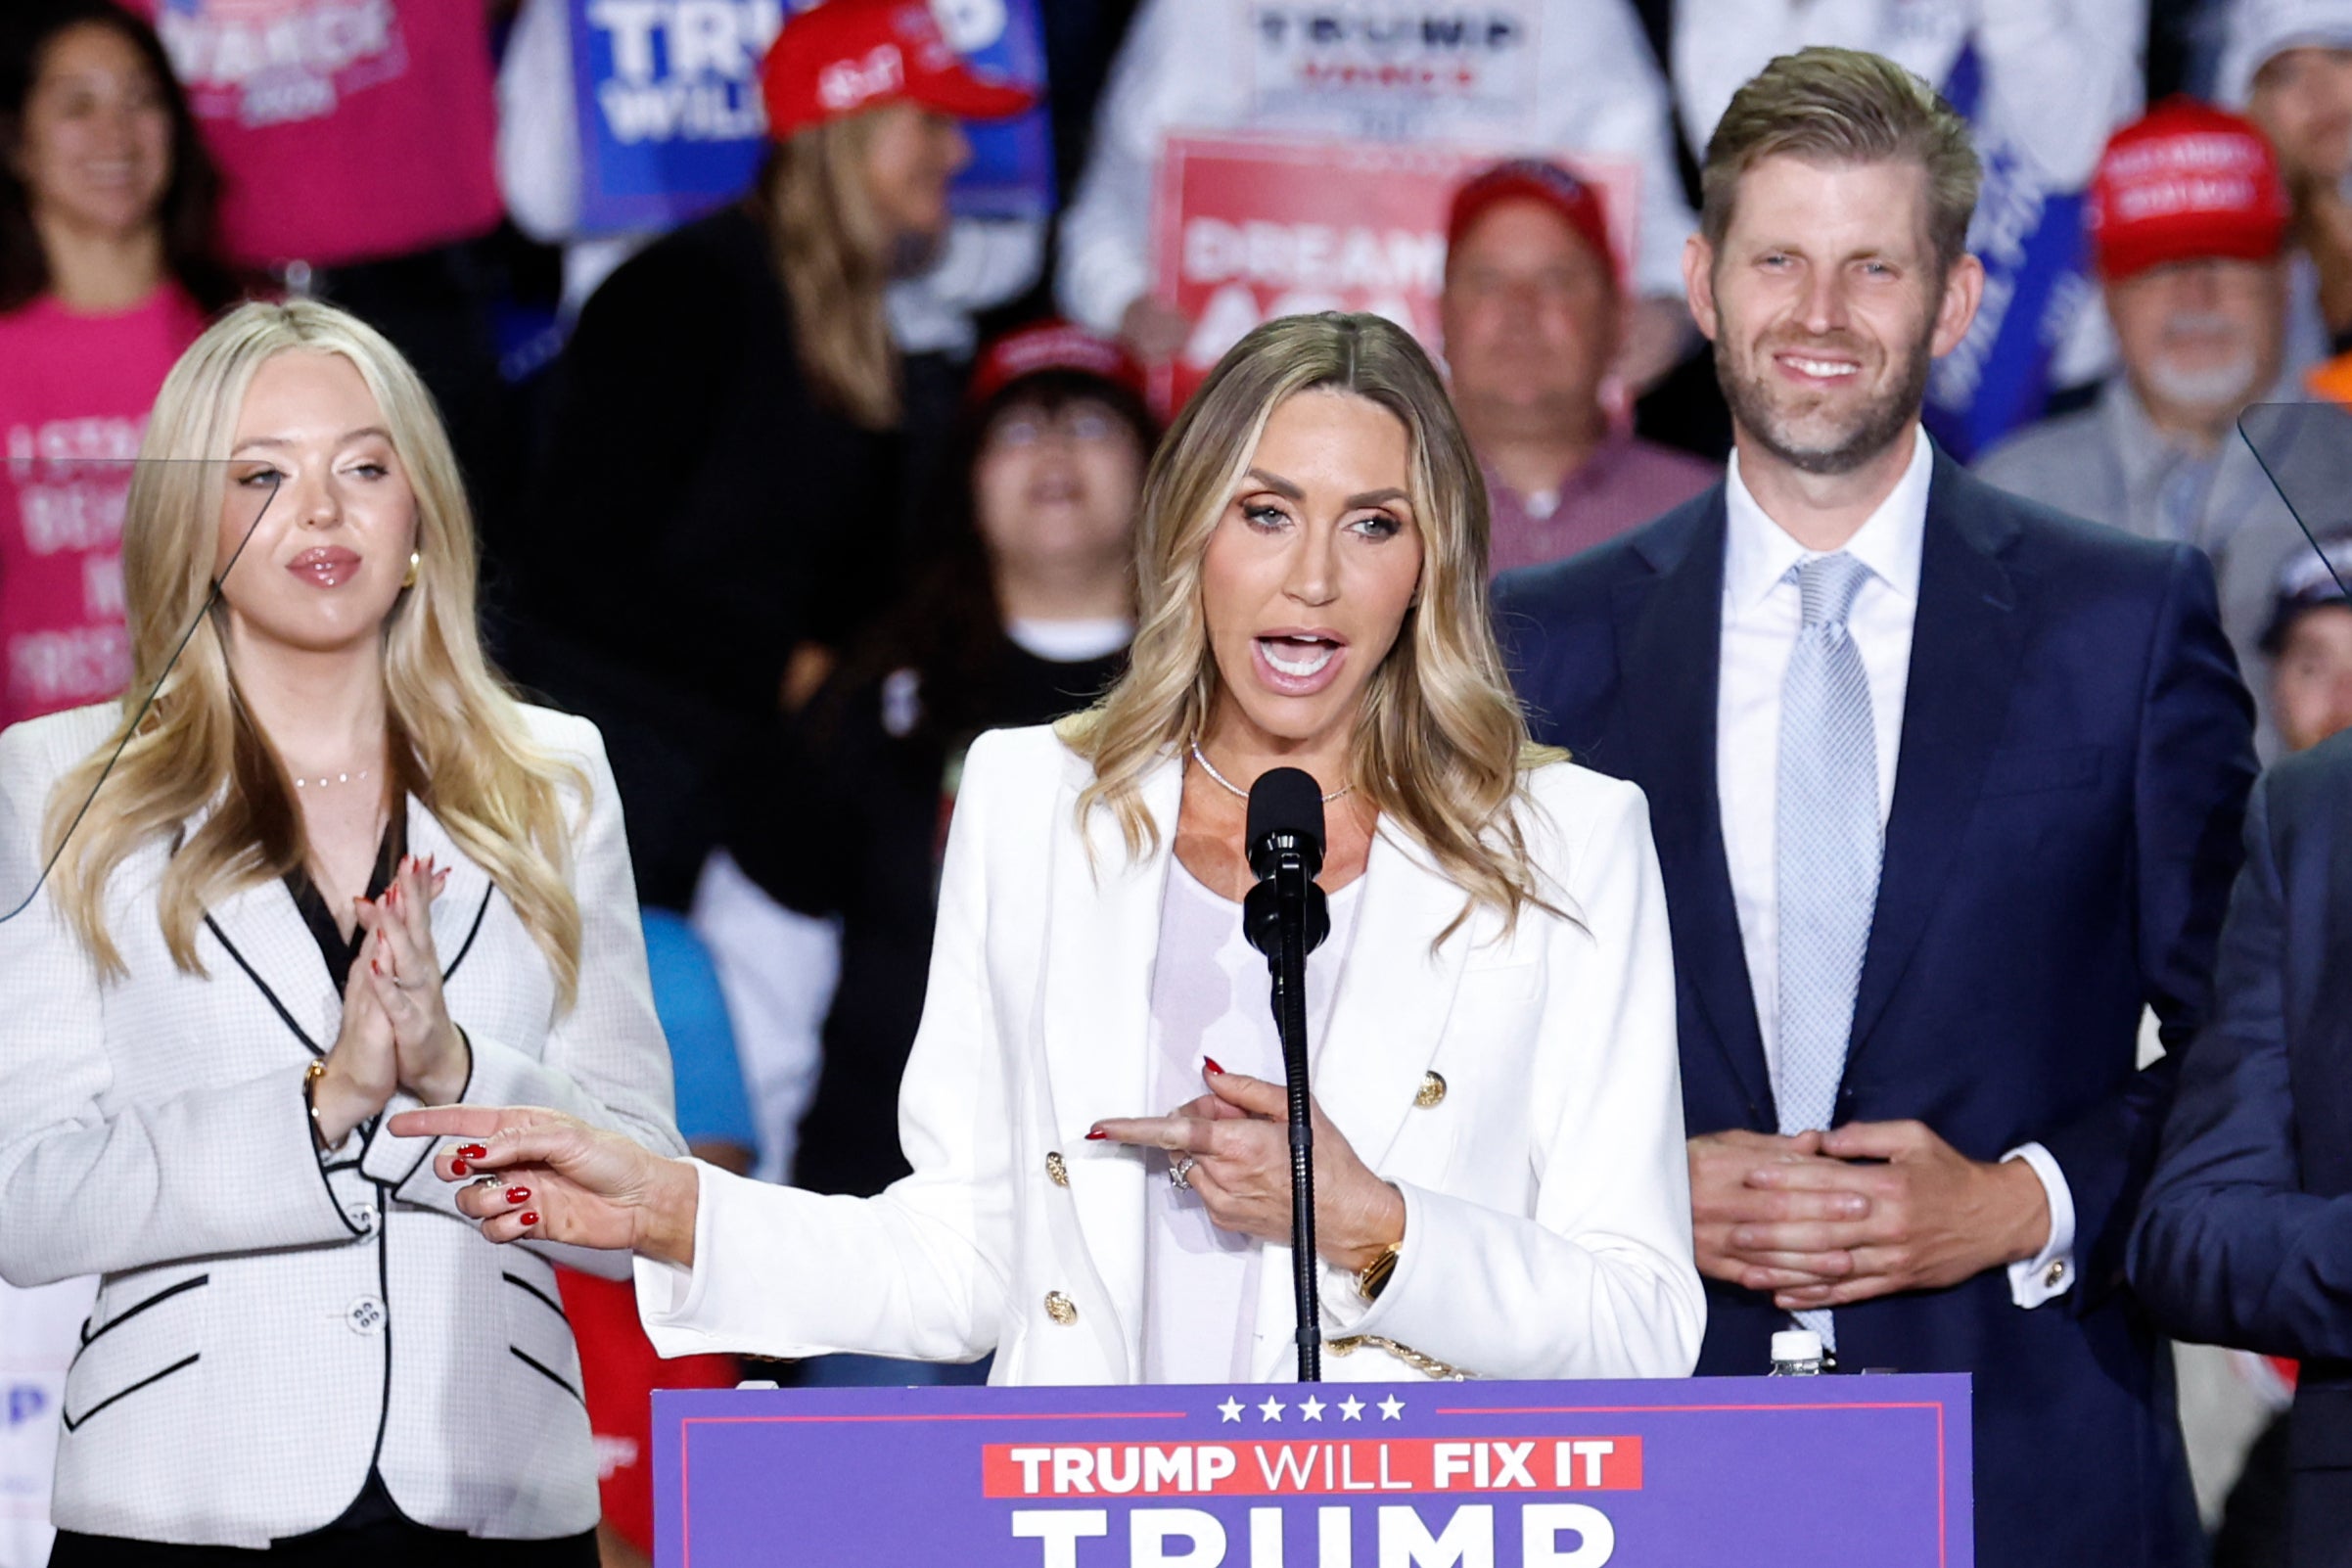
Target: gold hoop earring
point(414, 562)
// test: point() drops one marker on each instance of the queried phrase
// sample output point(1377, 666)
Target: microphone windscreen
point(1286, 800)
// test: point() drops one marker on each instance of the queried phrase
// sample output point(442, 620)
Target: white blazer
point(272, 1322)
point(1546, 1194)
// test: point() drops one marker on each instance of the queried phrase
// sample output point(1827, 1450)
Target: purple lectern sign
point(1756, 1472)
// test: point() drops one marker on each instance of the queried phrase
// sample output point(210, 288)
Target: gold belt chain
point(1426, 1365)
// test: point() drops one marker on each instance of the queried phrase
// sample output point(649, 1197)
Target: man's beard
point(1871, 427)
point(2226, 386)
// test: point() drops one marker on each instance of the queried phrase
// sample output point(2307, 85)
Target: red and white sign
point(1260, 1469)
point(1246, 229)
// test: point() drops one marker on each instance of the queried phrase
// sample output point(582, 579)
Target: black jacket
point(697, 513)
point(850, 820)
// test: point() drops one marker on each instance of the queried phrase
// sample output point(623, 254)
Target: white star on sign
point(1272, 1409)
point(1392, 1409)
point(1311, 1408)
point(1231, 1410)
point(1351, 1408)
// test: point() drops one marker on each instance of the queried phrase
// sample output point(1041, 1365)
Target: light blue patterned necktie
point(1831, 844)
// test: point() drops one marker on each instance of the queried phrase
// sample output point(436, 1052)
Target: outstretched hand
point(544, 1175)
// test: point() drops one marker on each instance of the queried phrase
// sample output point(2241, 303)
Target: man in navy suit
point(1947, 789)
point(2246, 1233)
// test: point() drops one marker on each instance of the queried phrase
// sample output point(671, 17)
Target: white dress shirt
point(1762, 613)
point(1208, 1003)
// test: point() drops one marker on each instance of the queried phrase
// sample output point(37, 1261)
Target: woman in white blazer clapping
point(1500, 1175)
point(331, 869)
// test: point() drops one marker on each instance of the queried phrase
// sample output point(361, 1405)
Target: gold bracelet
point(1373, 1278)
point(311, 1076)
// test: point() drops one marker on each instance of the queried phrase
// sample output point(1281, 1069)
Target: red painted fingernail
point(460, 1168)
point(1096, 1135)
point(529, 1218)
point(377, 964)
point(474, 1151)
point(1215, 1070)
point(517, 1194)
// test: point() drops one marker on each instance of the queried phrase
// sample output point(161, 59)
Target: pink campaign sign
point(1753, 1472)
point(1249, 228)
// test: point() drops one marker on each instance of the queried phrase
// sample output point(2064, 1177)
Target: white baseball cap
point(2260, 29)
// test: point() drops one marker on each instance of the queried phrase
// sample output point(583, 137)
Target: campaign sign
point(2028, 234)
point(666, 96)
point(1011, 172)
point(1757, 1472)
point(1246, 229)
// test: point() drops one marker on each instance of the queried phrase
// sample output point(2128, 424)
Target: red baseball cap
point(2186, 182)
point(846, 56)
point(1052, 346)
point(1532, 179)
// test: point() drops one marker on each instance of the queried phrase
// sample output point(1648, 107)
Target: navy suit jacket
point(2246, 1234)
point(2076, 753)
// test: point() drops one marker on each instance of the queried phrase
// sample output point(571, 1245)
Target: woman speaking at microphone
point(1499, 1174)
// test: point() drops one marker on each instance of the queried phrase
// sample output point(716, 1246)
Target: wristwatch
point(1373, 1278)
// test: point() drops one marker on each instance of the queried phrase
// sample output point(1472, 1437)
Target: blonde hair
point(833, 249)
point(1439, 747)
point(1842, 106)
point(457, 735)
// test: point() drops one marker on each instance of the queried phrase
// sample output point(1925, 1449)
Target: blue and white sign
point(2029, 236)
point(671, 125)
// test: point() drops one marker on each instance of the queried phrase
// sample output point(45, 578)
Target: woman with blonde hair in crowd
point(717, 509)
point(1501, 1181)
point(317, 866)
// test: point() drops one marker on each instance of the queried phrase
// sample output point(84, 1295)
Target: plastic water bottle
point(1796, 1352)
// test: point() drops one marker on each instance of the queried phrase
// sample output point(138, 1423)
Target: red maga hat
point(1532, 179)
point(1047, 347)
point(846, 56)
point(2186, 182)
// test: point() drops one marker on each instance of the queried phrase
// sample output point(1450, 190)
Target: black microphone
point(1285, 918)
point(1285, 826)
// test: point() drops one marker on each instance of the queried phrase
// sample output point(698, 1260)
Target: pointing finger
point(1181, 1134)
point(448, 1122)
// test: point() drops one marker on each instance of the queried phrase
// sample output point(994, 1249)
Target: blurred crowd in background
point(805, 431)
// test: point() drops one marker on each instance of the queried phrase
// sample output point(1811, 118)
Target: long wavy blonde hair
point(1439, 747)
point(833, 250)
point(458, 738)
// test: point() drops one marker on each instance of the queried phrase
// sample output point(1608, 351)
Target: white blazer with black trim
point(272, 1322)
point(1546, 1191)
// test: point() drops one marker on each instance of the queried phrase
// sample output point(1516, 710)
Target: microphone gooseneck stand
point(1286, 918)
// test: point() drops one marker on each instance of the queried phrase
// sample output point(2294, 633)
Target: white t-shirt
point(2059, 75)
point(1514, 76)
point(1209, 990)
